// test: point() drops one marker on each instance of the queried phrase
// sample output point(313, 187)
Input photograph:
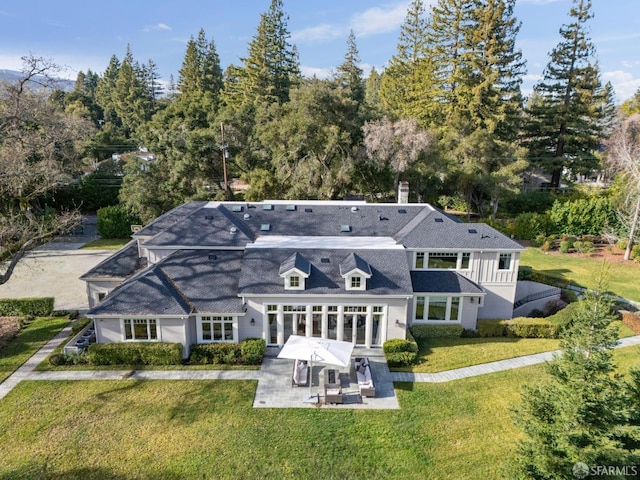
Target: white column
point(340, 327)
point(367, 327)
point(309, 324)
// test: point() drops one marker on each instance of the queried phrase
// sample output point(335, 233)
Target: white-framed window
point(437, 308)
point(217, 328)
point(505, 261)
point(101, 296)
point(356, 280)
point(294, 281)
point(442, 260)
point(140, 329)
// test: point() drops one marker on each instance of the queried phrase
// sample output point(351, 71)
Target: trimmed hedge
point(400, 352)
point(436, 331)
point(522, 327)
point(248, 352)
point(25, 307)
point(135, 353)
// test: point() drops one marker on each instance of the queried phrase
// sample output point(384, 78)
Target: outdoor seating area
point(331, 386)
point(365, 378)
point(300, 375)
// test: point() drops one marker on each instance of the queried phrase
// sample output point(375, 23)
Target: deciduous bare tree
point(38, 152)
point(397, 145)
point(624, 156)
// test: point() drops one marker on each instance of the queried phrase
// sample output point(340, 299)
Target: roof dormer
point(295, 270)
point(355, 272)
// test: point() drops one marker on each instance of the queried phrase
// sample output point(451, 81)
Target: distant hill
point(14, 75)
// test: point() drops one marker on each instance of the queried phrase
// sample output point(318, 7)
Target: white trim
point(511, 262)
point(147, 319)
point(447, 320)
point(345, 242)
point(234, 327)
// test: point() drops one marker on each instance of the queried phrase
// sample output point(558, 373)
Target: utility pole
point(225, 156)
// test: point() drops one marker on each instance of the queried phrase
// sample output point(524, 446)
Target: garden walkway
point(273, 373)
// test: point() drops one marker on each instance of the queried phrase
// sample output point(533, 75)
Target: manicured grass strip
point(106, 244)
point(30, 339)
point(624, 279)
point(208, 429)
point(440, 354)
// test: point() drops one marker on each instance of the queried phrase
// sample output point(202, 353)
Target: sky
point(84, 34)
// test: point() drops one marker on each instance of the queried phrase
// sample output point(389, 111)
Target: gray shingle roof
point(205, 227)
point(389, 268)
point(149, 293)
point(445, 281)
point(120, 265)
point(297, 261)
point(201, 281)
point(167, 219)
point(352, 262)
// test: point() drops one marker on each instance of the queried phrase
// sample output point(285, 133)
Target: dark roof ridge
point(237, 222)
point(413, 223)
point(182, 296)
point(354, 261)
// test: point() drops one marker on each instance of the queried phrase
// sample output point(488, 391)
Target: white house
point(224, 271)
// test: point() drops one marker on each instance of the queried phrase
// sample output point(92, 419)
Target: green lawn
point(624, 279)
point(208, 429)
point(106, 244)
point(29, 340)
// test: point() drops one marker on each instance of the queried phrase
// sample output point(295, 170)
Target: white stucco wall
point(94, 287)
point(498, 302)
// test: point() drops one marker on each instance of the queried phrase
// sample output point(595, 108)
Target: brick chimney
point(403, 192)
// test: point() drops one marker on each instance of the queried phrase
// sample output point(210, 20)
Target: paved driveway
point(52, 270)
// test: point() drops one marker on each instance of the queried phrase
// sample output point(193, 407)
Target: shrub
point(436, 331)
point(522, 327)
point(491, 327)
point(635, 253)
point(622, 244)
point(469, 333)
point(528, 226)
point(525, 272)
point(396, 345)
point(584, 216)
point(135, 353)
point(216, 353)
point(537, 201)
point(536, 313)
point(401, 359)
point(26, 307)
point(57, 359)
point(252, 350)
point(565, 246)
point(584, 247)
point(546, 246)
point(400, 352)
point(564, 316)
point(115, 222)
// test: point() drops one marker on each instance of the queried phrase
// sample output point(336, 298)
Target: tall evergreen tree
point(564, 128)
point(402, 86)
point(372, 91)
point(582, 413)
point(271, 67)
point(349, 73)
point(201, 69)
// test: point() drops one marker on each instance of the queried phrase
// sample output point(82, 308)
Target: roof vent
point(308, 210)
point(325, 260)
point(267, 206)
point(291, 208)
point(246, 216)
point(473, 230)
point(213, 257)
point(402, 210)
point(354, 209)
point(208, 217)
point(265, 227)
point(345, 228)
point(233, 230)
point(381, 218)
point(237, 208)
point(438, 220)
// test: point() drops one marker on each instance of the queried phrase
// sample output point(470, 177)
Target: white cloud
point(377, 20)
point(322, 73)
point(318, 34)
point(531, 77)
point(624, 83)
point(159, 26)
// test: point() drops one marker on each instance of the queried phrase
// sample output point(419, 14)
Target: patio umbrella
point(319, 350)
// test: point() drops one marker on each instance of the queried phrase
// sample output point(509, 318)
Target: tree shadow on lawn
point(41, 470)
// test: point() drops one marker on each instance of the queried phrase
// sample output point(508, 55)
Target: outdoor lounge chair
point(300, 375)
